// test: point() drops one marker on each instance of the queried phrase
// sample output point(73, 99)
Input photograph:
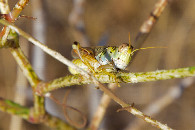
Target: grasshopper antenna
point(129, 41)
point(146, 48)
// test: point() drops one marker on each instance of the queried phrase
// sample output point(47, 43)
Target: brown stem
point(147, 26)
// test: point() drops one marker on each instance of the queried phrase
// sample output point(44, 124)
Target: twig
point(62, 59)
point(18, 9)
point(76, 21)
point(26, 113)
point(4, 7)
point(65, 106)
point(49, 51)
point(133, 110)
point(25, 66)
point(11, 17)
point(15, 109)
point(101, 110)
point(156, 106)
point(150, 22)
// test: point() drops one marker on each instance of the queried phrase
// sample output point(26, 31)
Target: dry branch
point(147, 26)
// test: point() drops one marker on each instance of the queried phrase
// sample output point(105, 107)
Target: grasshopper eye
point(123, 46)
point(76, 43)
point(132, 48)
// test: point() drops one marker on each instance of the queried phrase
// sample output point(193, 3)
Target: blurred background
point(106, 23)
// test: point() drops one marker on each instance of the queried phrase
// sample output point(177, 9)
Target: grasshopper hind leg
point(111, 71)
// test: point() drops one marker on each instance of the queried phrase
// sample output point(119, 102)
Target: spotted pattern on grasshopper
point(101, 58)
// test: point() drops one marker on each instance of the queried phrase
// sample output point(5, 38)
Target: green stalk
point(26, 113)
point(123, 78)
point(14, 109)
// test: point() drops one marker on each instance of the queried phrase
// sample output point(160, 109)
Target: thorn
point(28, 17)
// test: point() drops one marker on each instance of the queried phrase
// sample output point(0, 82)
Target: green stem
point(14, 109)
point(25, 113)
point(123, 77)
point(25, 66)
point(33, 79)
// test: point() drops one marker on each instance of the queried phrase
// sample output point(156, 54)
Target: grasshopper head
point(75, 45)
point(123, 56)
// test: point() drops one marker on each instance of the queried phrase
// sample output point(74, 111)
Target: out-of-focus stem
point(15, 109)
point(101, 110)
point(77, 23)
point(26, 113)
point(147, 26)
point(39, 31)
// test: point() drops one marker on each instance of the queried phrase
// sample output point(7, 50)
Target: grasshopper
point(103, 59)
